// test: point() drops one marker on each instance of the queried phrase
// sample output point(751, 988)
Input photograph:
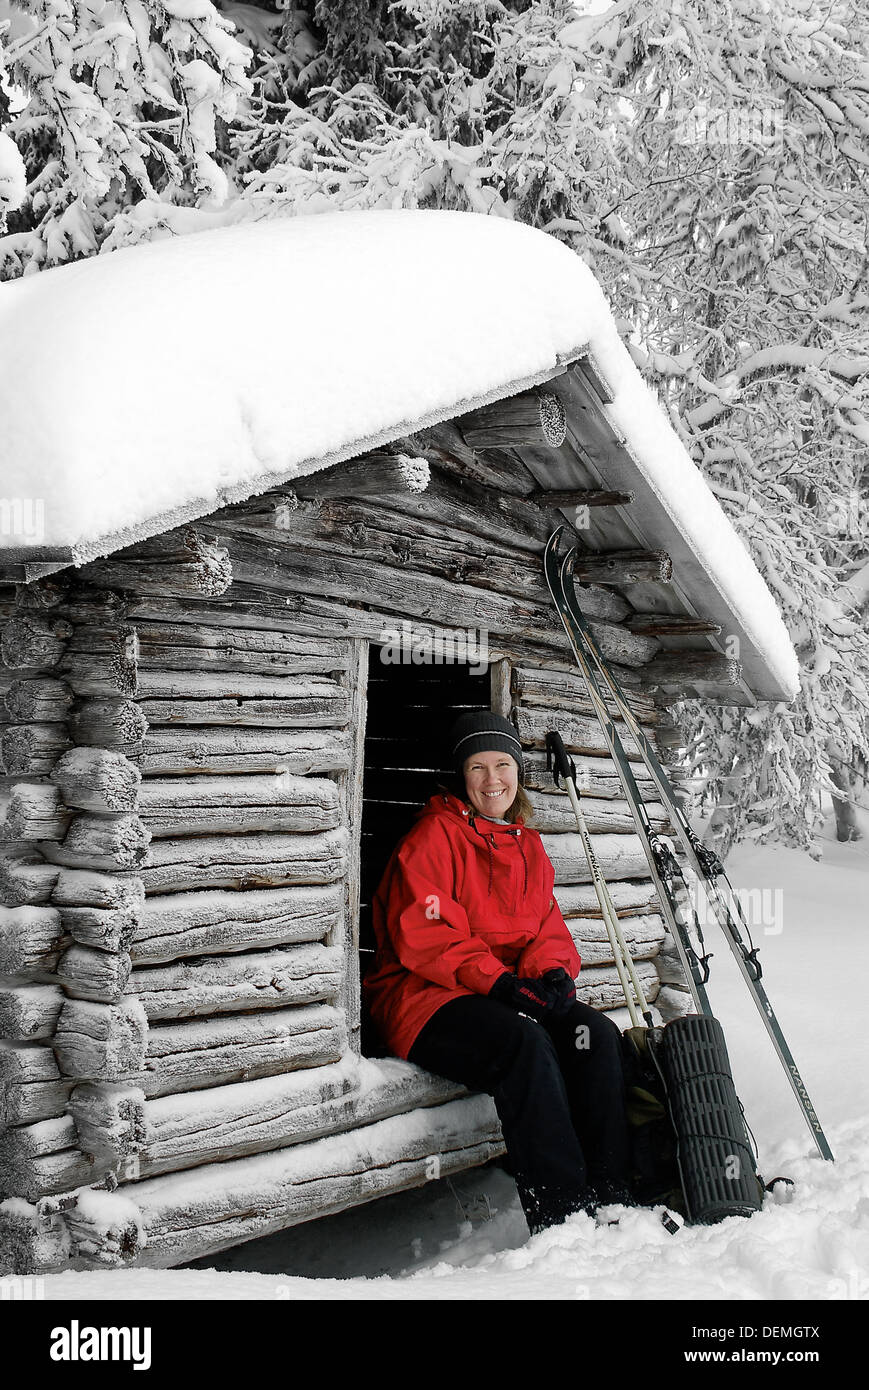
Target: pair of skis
point(665, 869)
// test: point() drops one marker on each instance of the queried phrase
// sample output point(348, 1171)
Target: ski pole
point(563, 769)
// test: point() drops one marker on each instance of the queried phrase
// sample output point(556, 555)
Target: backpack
point(690, 1144)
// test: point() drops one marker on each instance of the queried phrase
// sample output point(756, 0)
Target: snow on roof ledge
point(152, 385)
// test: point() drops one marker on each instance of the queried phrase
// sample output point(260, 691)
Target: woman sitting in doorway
point(474, 980)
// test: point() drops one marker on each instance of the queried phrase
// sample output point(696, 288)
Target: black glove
point(559, 983)
point(526, 996)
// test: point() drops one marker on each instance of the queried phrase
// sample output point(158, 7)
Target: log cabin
point(212, 688)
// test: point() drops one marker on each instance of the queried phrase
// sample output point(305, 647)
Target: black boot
point(548, 1206)
point(613, 1193)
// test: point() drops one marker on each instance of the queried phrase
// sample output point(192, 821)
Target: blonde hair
point(520, 810)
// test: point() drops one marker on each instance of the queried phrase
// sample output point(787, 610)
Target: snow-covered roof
point(189, 373)
point(152, 385)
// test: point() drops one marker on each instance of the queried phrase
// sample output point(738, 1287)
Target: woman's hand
point(562, 986)
point(533, 997)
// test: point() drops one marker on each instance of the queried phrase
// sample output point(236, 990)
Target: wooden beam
point(210, 923)
point(177, 806)
point(303, 613)
point(167, 752)
point(244, 861)
point(630, 897)
point(32, 748)
point(118, 724)
point(580, 734)
point(602, 815)
point(376, 531)
point(47, 592)
point(101, 660)
point(31, 640)
point(270, 1113)
point(589, 369)
point(31, 1173)
point(581, 497)
point(100, 975)
point(192, 697)
point(500, 469)
point(289, 975)
point(41, 700)
point(24, 876)
point(227, 1122)
point(499, 685)
point(726, 695)
point(624, 567)
point(351, 793)
point(671, 625)
point(112, 843)
point(191, 1053)
point(567, 690)
point(178, 562)
point(462, 505)
point(100, 1042)
point(531, 417)
point(206, 1208)
point(31, 939)
point(688, 667)
point(374, 475)
point(109, 1121)
point(30, 1012)
point(110, 930)
point(31, 1086)
point(79, 602)
point(186, 647)
point(35, 811)
point(350, 579)
point(77, 888)
point(602, 988)
point(643, 935)
point(596, 775)
point(96, 779)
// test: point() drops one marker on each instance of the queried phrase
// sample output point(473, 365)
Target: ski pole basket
point(715, 1158)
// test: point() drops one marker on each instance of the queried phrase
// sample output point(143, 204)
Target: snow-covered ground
point(466, 1238)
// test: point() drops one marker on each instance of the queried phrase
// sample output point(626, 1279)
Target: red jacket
point(461, 901)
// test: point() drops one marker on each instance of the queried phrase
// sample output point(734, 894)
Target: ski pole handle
point(558, 761)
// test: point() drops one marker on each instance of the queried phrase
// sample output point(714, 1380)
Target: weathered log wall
point(177, 929)
point(182, 756)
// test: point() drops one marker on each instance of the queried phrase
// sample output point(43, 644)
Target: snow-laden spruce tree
point(746, 203)
point(108, 103)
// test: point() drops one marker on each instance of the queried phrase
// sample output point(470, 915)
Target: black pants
point(558, 1090)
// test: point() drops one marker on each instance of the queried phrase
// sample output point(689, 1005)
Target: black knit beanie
point(481, 731)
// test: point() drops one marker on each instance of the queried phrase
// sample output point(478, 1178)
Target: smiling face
point(491, 781)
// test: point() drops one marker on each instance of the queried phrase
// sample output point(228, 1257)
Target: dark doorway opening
point(410, 711)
